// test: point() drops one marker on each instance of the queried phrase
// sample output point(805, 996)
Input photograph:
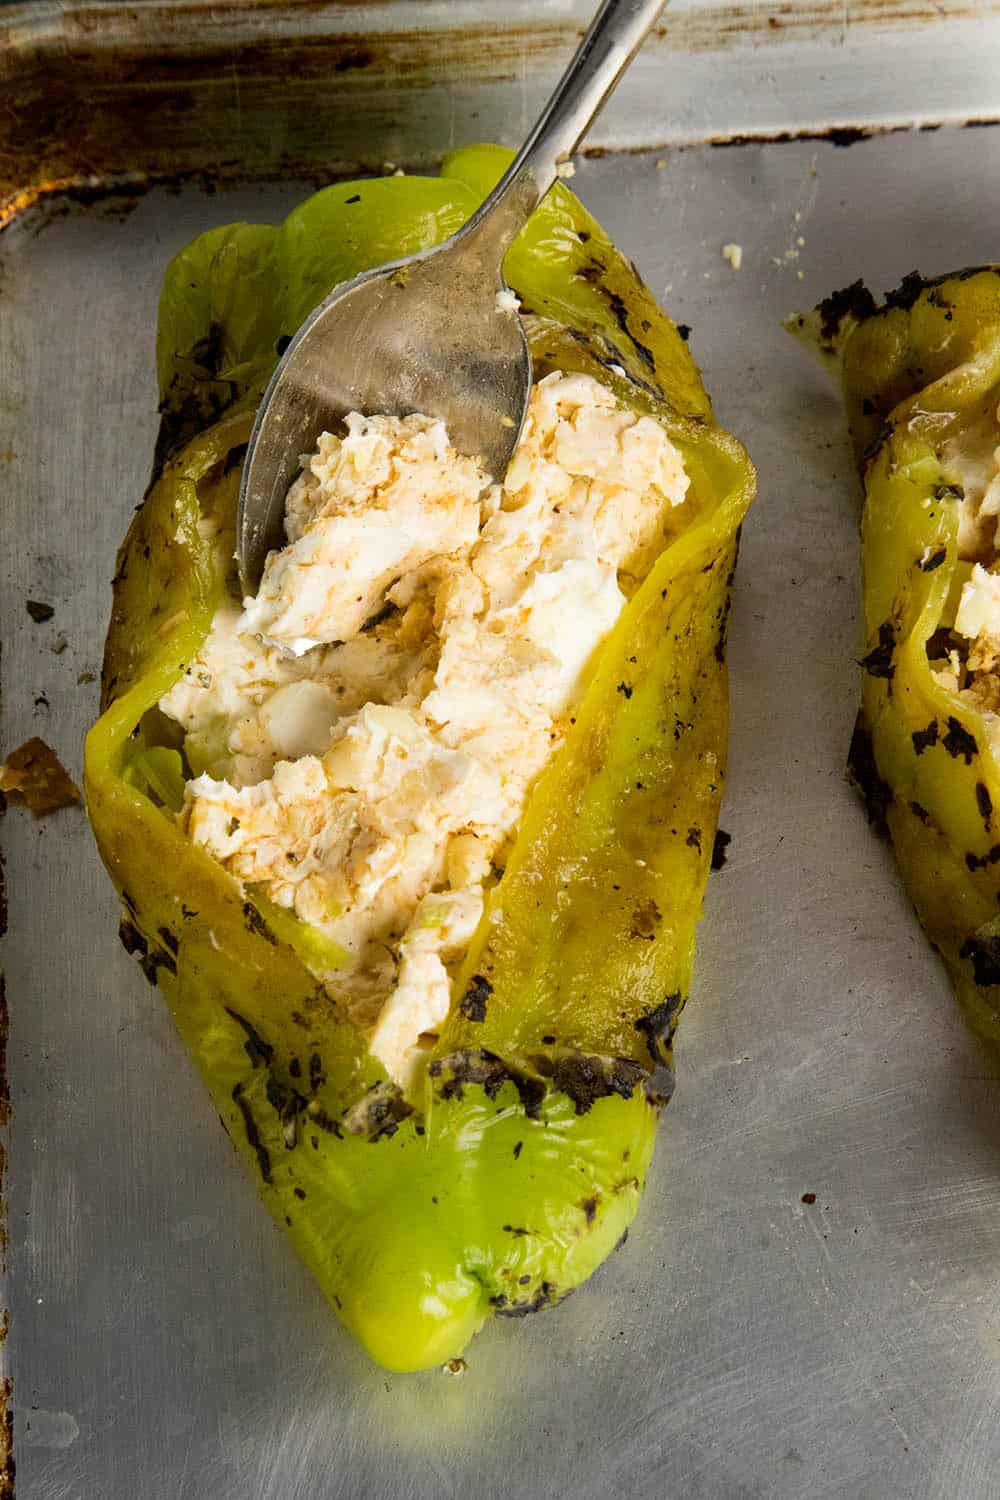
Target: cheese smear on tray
point(365, 733)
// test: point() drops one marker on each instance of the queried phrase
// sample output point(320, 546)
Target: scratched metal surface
point(164, 1342)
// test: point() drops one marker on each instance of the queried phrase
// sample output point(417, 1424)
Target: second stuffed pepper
point(921, 379)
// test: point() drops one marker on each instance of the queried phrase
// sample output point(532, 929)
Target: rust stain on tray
point(114, 91)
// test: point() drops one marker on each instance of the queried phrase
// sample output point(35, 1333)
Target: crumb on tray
point(34, 774)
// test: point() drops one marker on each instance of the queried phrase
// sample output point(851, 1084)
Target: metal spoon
point(427, 334)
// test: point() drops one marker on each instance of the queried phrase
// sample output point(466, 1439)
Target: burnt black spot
point(863, 771)
point(256, 924)
point(317, 1077)
point(985, 955)
point(720, 642)
point(545, 1297)
point(983, 861)
point(959, 742)
point(299, 1192)
point(923, 739)
point(693, 840)
point(518, 1149)
point(295, 1068)
point(876, 445)
point(152, 958)
point(949, 492)
point(194, 399)
point(38, 611)
point(258, 1051)
point(906, 294)
point(928, 564)
point(868, 407)
point(187, 912)
point(625, 689)
point(851, 301)
point(619, 312)
point(253, 1134)
point(319, 1117)
point(473, 1005)
point(622, 1240)
point(585, 1079)
point(379, 1116)
point(878, 662)
point(287, 1104)
point(684, 329)
point(985, 803)
point(589, 1206)
point(656, 1026)
point(282, 344)
point(489, 1072)
point(720, 844)
point(920, 812)
point(355, 198)
point(132, 939)
point(168, 939)
point(154, 961)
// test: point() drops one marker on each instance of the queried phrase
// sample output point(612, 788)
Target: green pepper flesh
point(521, 1164)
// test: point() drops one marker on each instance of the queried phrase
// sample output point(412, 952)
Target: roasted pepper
point(519, 1164)
point(921, 381)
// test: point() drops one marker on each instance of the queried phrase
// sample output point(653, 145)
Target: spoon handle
point(613, 38)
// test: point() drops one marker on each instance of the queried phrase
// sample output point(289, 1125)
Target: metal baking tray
point(749, 1341)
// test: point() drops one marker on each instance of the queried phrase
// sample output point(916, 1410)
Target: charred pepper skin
point(915, 372)
point(520, 1163)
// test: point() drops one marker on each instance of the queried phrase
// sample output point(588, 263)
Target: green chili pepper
point(919, 374)
point(519, 1164)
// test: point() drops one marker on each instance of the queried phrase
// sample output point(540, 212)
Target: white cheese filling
point(973, 671)
point(365, 733)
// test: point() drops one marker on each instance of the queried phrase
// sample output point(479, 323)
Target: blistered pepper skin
point(915, 373)
point(520, 1164)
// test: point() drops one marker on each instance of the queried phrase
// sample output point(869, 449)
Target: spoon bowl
point(436, 333)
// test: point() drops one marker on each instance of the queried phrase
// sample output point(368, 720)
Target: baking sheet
point(164, 1341)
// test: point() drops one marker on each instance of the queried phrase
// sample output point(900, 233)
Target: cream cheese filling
point(364, 734)
point(970, 666)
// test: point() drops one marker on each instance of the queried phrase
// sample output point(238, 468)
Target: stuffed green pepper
point(415, 841)
point(921, 380)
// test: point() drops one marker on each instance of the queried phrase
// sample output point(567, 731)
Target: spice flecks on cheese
point(371, 784)
point(370, 507)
